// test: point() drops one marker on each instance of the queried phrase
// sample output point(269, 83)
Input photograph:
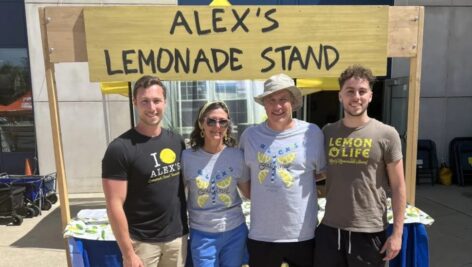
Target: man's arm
point(397, 183)
point(320, 176)
point(245, 189)
point(115, 195)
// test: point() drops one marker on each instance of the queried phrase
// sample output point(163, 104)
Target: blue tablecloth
point(92, 242)
point(415, 247)
point(91, 253)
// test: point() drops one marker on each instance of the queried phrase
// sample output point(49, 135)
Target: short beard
point(357, 114)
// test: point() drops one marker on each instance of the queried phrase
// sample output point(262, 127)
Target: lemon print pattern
point(226, 199)
point(167, 156)
point(286, 159)
point(286, 177)
point(262, 158)
point(202, 200)
point(262, 176)
point(201, 183)
point(224, 183)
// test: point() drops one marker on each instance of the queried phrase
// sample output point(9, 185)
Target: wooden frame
point(63, 38)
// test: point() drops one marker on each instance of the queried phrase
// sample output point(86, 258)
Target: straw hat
point(278, 83)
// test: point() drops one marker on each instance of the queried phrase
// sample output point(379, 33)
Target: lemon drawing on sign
point(167, 156)
point(262, 176)
point(202, 200)
point(286, 159)
point(286, 177)
point(262, 158)
point(201, 183)
point(225, 198)
point(224, 183)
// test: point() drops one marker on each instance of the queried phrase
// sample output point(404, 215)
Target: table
point(92, 242)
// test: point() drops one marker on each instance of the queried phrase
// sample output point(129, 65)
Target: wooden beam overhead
point(66, 33)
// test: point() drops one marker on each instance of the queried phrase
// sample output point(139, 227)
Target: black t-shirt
point(155, 204)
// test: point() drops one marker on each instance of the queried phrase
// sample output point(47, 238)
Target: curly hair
point(196, 140)
point(356, 71)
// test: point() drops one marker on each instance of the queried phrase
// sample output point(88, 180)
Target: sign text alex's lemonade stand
point(205, 43)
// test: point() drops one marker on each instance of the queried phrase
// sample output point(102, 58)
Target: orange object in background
point(23, 102)
point(28, 171)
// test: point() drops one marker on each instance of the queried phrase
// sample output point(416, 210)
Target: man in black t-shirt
point(143, 185)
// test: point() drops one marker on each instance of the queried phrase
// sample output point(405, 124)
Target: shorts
point(336, 247)
point(225, 249)
point(272, 254)
point(169, 254)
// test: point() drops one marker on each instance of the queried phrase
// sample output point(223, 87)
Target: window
point(17, 133)
point(187, 97)
point(193, 90)
point(230, 89)
point(16, 109)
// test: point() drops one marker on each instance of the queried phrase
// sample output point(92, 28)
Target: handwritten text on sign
point(239, 42)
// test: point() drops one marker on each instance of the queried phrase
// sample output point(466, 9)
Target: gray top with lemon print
point(213, 200)
point(283, 189)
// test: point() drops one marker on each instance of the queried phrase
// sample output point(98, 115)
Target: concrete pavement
point(38, 241)
point(450, 236)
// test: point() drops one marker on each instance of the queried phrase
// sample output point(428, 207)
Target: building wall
point(88, 119)
point(446, 91)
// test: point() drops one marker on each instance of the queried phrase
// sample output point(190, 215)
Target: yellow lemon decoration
point(262, 158)
point(167, 156)
point(286, 159)
point(286, 177)
point(262, 176)
point(201, 183)
point(224, 183)
point(202, 200)
point(225, 198)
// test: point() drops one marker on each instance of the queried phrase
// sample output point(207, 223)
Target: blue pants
point(226, 249)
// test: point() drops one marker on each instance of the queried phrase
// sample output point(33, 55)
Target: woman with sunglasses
point(213, 170)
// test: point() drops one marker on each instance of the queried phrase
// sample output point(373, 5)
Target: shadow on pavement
point(48, 232)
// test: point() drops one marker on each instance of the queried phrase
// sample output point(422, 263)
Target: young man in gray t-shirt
point(364, 165)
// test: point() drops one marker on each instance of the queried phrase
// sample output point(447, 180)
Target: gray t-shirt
point(357, 180)
point(213, 200)
point(283, 189)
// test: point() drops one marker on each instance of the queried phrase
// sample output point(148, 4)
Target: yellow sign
point(234, 42)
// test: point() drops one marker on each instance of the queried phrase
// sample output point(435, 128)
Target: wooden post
point(413, 112)
point(56, 131)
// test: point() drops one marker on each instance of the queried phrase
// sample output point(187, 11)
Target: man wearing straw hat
point(283, 155)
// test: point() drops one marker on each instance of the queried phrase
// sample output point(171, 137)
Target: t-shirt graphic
point(214, 187)
point(348, 150)
point(214, 205)
point(165, 165)
point(275, 162)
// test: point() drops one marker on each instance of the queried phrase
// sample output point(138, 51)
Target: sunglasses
point(212, 122)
